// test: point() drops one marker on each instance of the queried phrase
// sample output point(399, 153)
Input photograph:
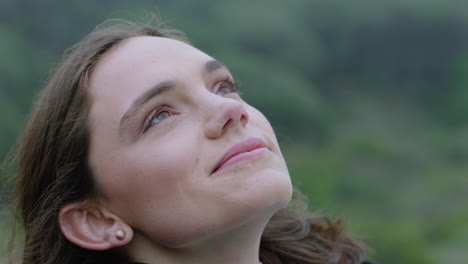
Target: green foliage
point(455, 108)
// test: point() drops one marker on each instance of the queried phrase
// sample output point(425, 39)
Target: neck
point(238, 245)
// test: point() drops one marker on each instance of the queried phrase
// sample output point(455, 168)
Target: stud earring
point(120, 234)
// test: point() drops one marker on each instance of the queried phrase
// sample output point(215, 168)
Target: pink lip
point(243, 150)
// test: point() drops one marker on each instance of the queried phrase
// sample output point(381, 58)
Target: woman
point(140, 149)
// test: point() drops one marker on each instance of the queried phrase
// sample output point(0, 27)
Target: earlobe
point(94, 229)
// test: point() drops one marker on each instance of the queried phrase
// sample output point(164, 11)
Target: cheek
point(148, 182)
point(160, 195)
point(259, 120)
point(261, 123)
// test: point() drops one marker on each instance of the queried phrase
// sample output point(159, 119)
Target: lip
point(243, 150)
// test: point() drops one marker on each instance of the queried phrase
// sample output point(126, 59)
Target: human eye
point(226, 86)
point(157, 116)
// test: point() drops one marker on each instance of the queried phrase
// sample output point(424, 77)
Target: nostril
point(227, 116)
point(244, 119)
point(227, 124)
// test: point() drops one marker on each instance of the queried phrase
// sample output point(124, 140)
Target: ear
point(95, 229)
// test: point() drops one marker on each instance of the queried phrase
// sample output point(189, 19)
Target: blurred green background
point(369, 99)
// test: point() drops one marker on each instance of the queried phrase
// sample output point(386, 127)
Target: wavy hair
point(52, 170)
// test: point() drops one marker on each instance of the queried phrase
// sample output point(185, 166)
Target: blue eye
point(159, 117)
point(223, 91)
point(226, 87)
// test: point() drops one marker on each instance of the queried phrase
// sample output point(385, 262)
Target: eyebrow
point(141, 100)
point(158, 89)
point(213, 65)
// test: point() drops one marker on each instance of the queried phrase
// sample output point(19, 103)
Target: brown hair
point(52, 171)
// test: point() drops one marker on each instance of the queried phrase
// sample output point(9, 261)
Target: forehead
point(145, 58)
point(133, 66)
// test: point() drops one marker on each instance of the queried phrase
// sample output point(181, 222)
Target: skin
point(155, 174)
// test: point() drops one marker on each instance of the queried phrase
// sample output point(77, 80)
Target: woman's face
point(170, 142)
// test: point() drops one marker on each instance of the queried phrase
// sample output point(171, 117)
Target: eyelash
point(155, 113)
point(232, 83)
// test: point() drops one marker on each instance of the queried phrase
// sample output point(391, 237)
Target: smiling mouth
point(244, 150)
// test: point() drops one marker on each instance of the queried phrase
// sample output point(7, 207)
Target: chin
point(277, 191)
point(284, 195)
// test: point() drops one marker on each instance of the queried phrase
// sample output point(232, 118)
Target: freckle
point(197, 160)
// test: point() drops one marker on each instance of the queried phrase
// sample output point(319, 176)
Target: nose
point(226, 115)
